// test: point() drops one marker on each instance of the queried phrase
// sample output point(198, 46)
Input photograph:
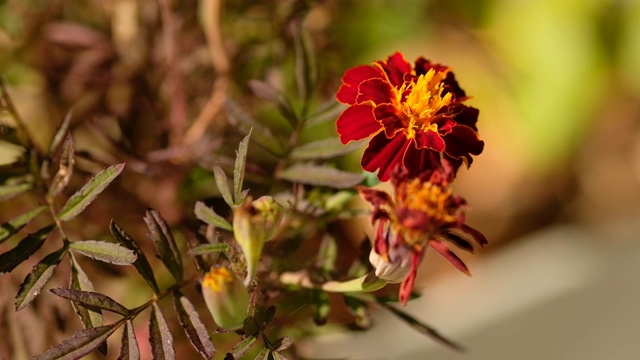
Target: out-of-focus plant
point(272, 213)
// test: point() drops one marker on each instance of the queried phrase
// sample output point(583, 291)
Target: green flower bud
point(255, 222)
point(226, 297)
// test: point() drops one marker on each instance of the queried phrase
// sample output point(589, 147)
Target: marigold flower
point(413, 115)
point(226, 297)
point(423, 213)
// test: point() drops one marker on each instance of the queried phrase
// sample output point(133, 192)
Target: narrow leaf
point(262, 136)
point(38, 278)
point(14, 225)
point(90, 318)
point(320, 175)
point(164, 242)
point(29, 245)
point(206, 214)
point(159, 336)
point(277, 356)
point(276, 97)
point(129, 349)
point(209, 248)
point(283, 343)
point(9, 191)
point(327, 254)
point(141, 263)
point(60, 134)
point(239, 169)
point(223, 185)
point(323, 149)
point(79, 344)
point(305, 68)
point(105, 251)
point(422, 327)
point(65, 169)
point(81, 199)
point(241, 348)
point(91, 299)
point(264, 354)
point(193, 327)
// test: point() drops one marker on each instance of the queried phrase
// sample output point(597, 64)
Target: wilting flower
point(226, 297)
point(413, 115)
point(423, 213)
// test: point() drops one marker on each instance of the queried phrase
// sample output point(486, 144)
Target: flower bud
point(391, 271)
point(226, 297)
point(255, 222)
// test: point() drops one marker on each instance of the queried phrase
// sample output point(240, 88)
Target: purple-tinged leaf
point(81, 199)
point(206, 214)
point(320, 175)
point(65, 168)
point(193, 326)
point(283, 343)
point(90, 318)
point(14, 225)
point(129, 349)
point(223, 185)
point(38, 278)
point(239, 169)
point(91, 300)
point(79, 344)
point(27, 246)
point(104, 251)
point(165, 244)
point(241, 348)
point(277, 356)
point(159, 336)
point(60, 134)
point(323, 149)
point(141, 263)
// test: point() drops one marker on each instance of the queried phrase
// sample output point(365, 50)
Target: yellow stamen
point(434, 200)
point(216, 277)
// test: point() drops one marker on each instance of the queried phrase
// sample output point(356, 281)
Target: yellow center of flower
point(434, 200)
point(424, 100)
point(217, 277)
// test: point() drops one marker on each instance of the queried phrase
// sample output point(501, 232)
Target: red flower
point(423, 213)
point(414, 116)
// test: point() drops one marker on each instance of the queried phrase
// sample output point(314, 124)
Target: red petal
point(477, 235)
point(465, 115)
point(384, 154)
point(421, 161)
point(352, 78)
point(442, 248)
point(381, 243)
point(423, 66)
point(390, 118)
point(462, 141)
point(357, 123)
point(377, 90)
point(429, 139)
point(407, 285)
point(445, 125)
point(396, 66)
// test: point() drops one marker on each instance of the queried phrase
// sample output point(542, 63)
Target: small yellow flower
point(226, 297)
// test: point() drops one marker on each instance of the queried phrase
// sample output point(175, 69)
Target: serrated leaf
point(9, 191)
point(79, 344)
point(276, 97)
point(105, 251)
point(129, 349)
point(14, 225)
point(81, 199)
point(241, 348)
point(89, 318)
point(323, 149)
point(91, 299)
point(239, 169)
point(223, 185)
point(209, 248)
point(193, 327)
point(29, 245)
point(159, 336)
point(141, 263)
point(65, 168)
point(38, 278)
point(262, 136)
point(421, 327)
point(320, 175)
point(206, 214)
point(165, 244)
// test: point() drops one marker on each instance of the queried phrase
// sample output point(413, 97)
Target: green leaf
point(359, 310)
point(38, 278)
point(159, 336)
point(79, 344)
point(305, 69)
point(206, 214)
point(90, 318)
point(320, 175)
point(328, 111)
point(129, 349)
point(261, 135)
point(81, 199)
point(92, 300)
point(239, 169)
point(29, 245)
point(264, 354)
point(276, 97)
point(421, 327)
point(321, 307)
point(209, 248)
point(14, 225)
point(165, 244)
point(141, 263)
point(9, 191)
point(277, 356)
point(241, 348)
point(105, 251)
point(283, 343)
point(65, 168)
point(327, 254)
point(193, 327)
point(223, 185)
point(323, 149)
